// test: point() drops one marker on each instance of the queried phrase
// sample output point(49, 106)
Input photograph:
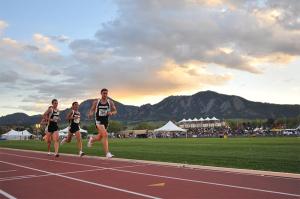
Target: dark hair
point(74, 103)
point(54, 101)
point(103, 89)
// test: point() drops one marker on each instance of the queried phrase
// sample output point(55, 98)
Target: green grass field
point(273, 154)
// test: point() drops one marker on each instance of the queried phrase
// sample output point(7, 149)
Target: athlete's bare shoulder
point(95, 102)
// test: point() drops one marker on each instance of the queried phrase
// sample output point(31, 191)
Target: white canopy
point(214, 118)
point(170, 126)
point(183, 120)
point(195, 120)
point(26, 133)
point(66, 130)
point(298, 127)
point(201, 119)
point(207, 119)
point(16, 135)
point(10, 133)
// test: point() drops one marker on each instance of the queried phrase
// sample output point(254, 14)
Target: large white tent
point(17, 135)
point(26, 133)
point(170, 127)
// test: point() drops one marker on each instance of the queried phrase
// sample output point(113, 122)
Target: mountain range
point(201, 104)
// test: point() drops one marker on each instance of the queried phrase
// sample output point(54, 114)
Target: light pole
point(37, 127)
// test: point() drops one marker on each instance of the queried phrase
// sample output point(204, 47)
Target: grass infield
point(271, 154)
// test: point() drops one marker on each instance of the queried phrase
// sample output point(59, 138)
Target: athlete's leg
point(48, 141)
point(102, 133)
point(79, 140)
point(67, 139)
point(97, 137)
point(55, 137)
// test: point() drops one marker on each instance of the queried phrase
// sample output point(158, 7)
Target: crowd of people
point(222, 132)
point(225, 131)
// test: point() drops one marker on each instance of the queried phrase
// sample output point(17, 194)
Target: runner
point(52, 116)
point(102, 109)
point(74, 119)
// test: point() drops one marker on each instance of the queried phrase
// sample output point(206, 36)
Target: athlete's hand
point(110, 113)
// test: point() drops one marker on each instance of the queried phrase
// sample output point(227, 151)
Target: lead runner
point(102, 109)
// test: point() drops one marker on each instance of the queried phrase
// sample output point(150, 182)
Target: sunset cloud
point(3, 26)
point(44, 43)
point(153, 48)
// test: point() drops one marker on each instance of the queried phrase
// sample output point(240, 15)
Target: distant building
point(201, 123)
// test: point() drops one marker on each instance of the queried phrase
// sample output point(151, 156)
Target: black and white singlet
point(101, 114)
point(74, 123)
point(54, 117)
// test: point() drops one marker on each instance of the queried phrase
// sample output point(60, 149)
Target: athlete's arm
point(113, 108)
point(45, 116)
point(69, 116)
point(92, 110)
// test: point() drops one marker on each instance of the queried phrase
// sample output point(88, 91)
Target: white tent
point(83, 131)
point(298, 128)
point(169, 127)
point(207, 119)
point(10, 134)
point(66, 130)
point(183, 120)
point(17, 135)
point(195, 120)
point(214, 118)
point(201, 119)
point(26, 133)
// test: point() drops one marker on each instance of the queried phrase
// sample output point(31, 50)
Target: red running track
point(25, 174)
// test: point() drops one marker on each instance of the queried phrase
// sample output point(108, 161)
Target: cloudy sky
point(145, 50)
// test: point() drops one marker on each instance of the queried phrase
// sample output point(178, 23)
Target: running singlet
point(74, 125)
point(101, 116)
point(77, 120)
point(54, 116)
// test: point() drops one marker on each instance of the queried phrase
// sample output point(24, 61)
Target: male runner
point(52, 115)
point(74, 119)
point(102, 109)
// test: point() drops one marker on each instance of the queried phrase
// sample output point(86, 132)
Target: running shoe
point(49, 153)
point(63, 141)
point(109, 155)
point(81, 153)
point(90, 142)
point(57, 155)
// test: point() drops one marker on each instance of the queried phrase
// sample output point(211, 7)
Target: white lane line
point(7, 195)
point(224, 171)
point(7, 171)
point(70, 172)
point(17, 177)
point(84, 181)
point(210, 183)
point(169, 177)
point(72, 163)
point(237, 171)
